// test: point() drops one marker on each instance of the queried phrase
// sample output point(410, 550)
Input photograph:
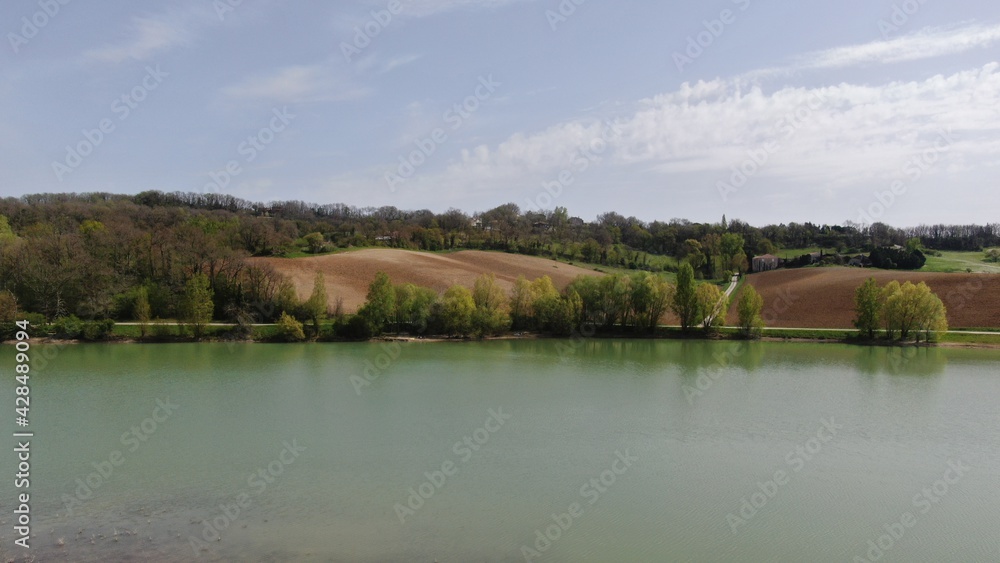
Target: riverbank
point(267, 334)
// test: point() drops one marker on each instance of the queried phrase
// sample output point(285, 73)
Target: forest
point(108, 256)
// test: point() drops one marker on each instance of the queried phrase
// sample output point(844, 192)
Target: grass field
point(954, 261)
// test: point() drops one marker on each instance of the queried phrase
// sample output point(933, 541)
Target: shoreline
point(48, 340)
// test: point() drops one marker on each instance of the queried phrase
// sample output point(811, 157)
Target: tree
point(197, 305)
point(455, 311)
point(711, 306)
point(749, 309)
point(413, 307)
point(380, 304)
point(315, 242)
point(889, 308)
point(692, 253)
point(315, 308)
point(290, 329)
point(650, 299)
point(491, 316)
point(733, 256)
point(912, 309)
point(521, 304)
point(866, 307)
point(685, 304)
point(142, 312)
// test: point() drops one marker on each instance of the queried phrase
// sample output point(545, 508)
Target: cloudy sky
point(768, 111)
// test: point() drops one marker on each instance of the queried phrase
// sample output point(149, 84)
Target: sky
point(770, 112)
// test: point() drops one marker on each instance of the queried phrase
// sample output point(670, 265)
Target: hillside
point(824, 297)
point(348, 274)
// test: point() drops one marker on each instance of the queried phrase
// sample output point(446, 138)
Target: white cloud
point(298, 84)
point(926, 44)
point(829, 137)
point(150, 36)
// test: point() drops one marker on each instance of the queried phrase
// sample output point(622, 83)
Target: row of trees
point(92, 255)
point(633, 303)
point(899, 311)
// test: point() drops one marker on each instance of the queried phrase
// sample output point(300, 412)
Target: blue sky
point(766, 111)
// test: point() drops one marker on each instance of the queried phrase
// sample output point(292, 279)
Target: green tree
point(6, 234)
point(889, 308)
point(379, 308)
point(711, 306)
point(650, 298)
point(286, 300)
point(521, 305)
point(685, 304)
point(455, 311)
point(866, 307)
point(315, 241)
point(749, 310)
point(197, 303)
point(290, 329)
point(142, 310)
point(413, 307)
point(315, 308)
point(491, 316)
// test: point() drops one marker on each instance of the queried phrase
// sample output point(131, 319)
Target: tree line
point(94, 255)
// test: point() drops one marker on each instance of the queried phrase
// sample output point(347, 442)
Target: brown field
point(349, 274)
point(824, 297)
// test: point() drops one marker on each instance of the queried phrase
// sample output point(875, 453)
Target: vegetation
point(154, 256)
point(685, 298)
point(749, 309)
point(867, 303)
point(907, 310)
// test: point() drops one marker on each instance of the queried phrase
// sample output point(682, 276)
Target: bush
point(67, 328)
point(289, 329)
point(97, 330)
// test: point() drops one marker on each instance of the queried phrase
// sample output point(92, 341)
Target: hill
point(824, 297)
point(348, 274)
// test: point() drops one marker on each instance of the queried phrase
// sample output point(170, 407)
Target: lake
point(518, 450)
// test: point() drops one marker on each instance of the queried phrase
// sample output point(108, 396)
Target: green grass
point(957, 261)
point(954, 338)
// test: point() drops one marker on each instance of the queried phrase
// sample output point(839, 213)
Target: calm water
point(830, 447)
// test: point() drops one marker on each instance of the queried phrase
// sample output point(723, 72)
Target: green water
point(702, 426)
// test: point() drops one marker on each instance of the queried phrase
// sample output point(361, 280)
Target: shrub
point(67, 328)
point(290, 329)
point(97, 330)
